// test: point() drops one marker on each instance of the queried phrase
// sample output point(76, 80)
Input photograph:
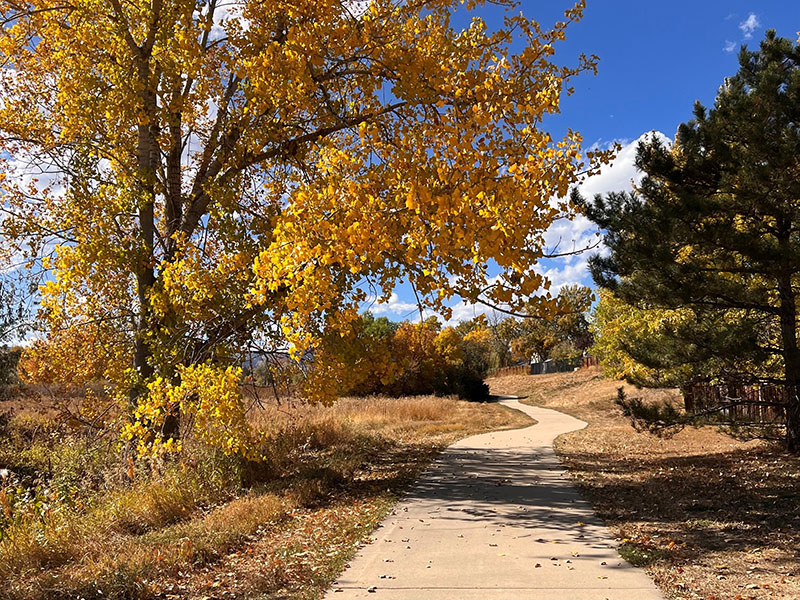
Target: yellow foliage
point(73, 357)
point(480, 335)
point(617, 325)
point(447, 345)
point(208, 397)
point(253, 170)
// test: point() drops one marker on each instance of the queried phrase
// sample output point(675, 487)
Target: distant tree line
point(380, 356)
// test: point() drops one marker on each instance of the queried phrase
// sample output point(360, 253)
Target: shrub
point(9, 359)
point(410, 359)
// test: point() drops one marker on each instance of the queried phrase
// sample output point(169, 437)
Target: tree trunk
point(791, 358)
point(147, 156)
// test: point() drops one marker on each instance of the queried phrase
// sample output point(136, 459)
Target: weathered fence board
point(589, 361)
point(548, 366)
point(518, 370)
point(739, 402)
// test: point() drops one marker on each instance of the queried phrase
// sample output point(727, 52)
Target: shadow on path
point(496, 516)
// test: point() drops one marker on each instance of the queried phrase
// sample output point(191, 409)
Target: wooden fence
point(519, 370)
point(737, 402)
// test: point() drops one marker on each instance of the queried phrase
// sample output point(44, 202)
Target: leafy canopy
point(219, 174)
point(563, 336)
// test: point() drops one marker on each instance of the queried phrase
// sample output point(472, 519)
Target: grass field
point(78, 519)
point(709, 516)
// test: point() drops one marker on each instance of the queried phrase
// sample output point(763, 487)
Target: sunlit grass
point(123, 537)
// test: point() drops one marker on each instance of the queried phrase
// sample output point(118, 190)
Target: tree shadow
point(738, 500)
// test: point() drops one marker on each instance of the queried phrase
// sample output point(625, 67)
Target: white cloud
point(618, 175)
point(465, 311)
point(564, 235)
point(749, 25)
point(729, 46)
point(569, 274)
point(568, 235)
point(32, 169)
point(394, 306)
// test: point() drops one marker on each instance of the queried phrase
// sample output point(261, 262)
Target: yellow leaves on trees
point(209, 397)
point(232, 171)
point(72, 357)
point(618, 327)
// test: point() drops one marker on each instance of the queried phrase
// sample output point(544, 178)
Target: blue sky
point(656, 60)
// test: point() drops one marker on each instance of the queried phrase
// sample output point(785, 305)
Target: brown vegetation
point(78, 519)
point(709, 516)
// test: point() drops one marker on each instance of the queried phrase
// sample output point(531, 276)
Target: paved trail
point(496, 516)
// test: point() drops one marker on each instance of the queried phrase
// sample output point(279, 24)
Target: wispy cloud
point(749, 25)
point(729, 46)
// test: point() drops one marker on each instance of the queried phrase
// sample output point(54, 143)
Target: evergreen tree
point(715, 223)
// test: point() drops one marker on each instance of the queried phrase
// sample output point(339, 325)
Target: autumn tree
point(215, 174)
point(565, 335)
point(675, 347)
point(714, 226)
point(494, 332)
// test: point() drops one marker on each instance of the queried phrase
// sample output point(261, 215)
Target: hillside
point(709, 516)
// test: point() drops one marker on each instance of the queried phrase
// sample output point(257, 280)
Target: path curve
point(495, 516)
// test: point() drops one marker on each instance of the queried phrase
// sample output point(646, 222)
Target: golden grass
point(377, 413)
point(331, 474)
point(709, 516)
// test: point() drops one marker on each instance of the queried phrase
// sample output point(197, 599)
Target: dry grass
point(214, 527)
point(707, 515)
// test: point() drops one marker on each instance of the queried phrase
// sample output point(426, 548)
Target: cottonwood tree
point(565, 335)
point(225, 171)
point(715, 224)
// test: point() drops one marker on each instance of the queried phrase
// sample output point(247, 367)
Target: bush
point(463, 381)
point(411, 359)
point(9, 359)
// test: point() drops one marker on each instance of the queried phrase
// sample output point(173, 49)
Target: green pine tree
point(715, 223)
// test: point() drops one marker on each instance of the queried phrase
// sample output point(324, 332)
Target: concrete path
point(496, 516)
